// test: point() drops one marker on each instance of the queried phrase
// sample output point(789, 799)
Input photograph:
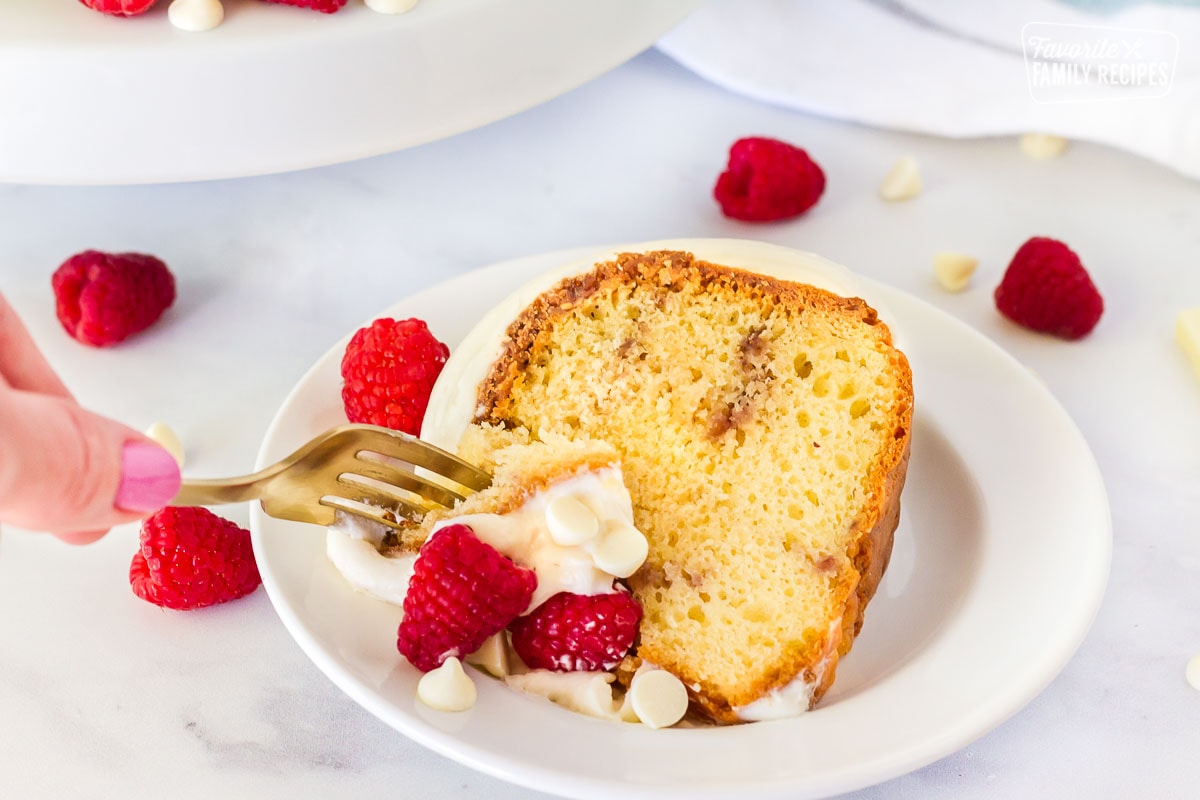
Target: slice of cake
point(763, 430)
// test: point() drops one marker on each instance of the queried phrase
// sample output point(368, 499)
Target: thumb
point(65, 469)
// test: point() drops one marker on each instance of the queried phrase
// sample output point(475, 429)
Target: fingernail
point(149, 478)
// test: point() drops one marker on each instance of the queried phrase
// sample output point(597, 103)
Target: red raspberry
point(462, 591)
point(191, 558)
point(578, 632)
point(119, 8)
point(324, 6)
point(388, 371)
point(1047, 289)
point(102, 298)
point(768, 180)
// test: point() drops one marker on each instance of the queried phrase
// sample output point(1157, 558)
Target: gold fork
point(377, 473)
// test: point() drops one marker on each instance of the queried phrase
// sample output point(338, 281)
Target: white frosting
point(524, 535)
point(351, 544)
point(196, 16)
point(392, 6)
point(795, 697)
point(447, 688)
point(790, 700)
point(452, 403)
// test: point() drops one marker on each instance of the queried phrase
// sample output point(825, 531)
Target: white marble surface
point(102, 695)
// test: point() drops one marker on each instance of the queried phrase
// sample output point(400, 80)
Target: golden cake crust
point(855, 575)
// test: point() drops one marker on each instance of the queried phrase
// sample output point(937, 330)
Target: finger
point(22, 365)
point(79, 538)
point(64, 469)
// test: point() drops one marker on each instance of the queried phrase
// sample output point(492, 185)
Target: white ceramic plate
point(1000, 562)
point(90, 99)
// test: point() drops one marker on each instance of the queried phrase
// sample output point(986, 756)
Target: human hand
point(64, 469)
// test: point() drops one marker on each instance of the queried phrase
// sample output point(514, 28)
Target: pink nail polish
point(149, 478)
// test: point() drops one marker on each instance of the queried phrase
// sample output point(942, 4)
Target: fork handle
point(214, 493)
point(224, 491)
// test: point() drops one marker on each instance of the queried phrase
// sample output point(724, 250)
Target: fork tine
point(402, 447)
point(392, 517)
point(378, 493)
point(430, 485)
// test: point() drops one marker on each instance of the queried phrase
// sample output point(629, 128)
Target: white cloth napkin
point(966, 68)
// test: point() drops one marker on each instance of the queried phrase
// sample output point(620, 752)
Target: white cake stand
point(90, 99)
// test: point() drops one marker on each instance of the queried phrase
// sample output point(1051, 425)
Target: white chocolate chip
point(196, 16)
point(954, 270)
point(659, 698)
point(570, 522)
point(1193, 672)
point(492, 656)
point(1043, 145)
point(166, 438)
point(391, 6)
point(903, 182)
point(447, 688)
point(1187, 333)
point(588, 693)
point(621, 550)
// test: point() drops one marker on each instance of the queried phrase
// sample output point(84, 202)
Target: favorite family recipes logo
point(1079, 63)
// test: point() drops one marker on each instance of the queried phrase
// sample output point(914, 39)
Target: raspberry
point(388, 371)
point(768, 180)
point(324, 6)
point(119, 8)
point(1046, 289)
point(462, 591)
point(103, 298)
point(578, 632)
point(191, 558)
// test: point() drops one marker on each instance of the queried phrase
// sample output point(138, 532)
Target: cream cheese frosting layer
point(525, 534)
